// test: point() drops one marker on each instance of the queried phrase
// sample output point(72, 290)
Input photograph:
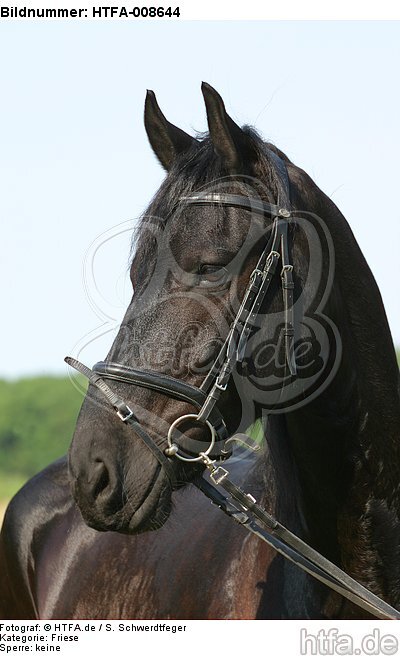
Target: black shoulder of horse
point(40, 500)
point(44, 495)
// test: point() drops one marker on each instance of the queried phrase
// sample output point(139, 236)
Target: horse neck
point(345, 443)
point(364, 395)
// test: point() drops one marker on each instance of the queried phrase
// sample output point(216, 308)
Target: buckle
point(129, 414)
point(287, 268)
point(255, 273)
point(218, 475)
point(271, 256)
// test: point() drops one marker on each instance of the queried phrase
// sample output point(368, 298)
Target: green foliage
point(37, 419)
point(9, 485)
point(256, 432)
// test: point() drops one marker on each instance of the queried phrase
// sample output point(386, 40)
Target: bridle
point(205, 398)
point(240, 506)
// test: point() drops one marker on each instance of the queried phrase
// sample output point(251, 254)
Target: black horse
point(107, 534)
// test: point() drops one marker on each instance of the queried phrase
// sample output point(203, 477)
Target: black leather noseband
point(172, 387)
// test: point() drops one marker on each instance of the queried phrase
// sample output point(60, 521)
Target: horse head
point(197, 259)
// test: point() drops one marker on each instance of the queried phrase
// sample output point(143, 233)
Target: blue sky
point(75, 162)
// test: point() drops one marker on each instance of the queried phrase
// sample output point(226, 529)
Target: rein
point(239, 505)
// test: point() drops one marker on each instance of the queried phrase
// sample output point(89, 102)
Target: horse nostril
point(100, 480)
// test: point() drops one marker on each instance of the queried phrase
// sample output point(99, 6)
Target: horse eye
point(211, 274)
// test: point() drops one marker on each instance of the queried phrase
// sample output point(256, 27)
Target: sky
point(76, 169)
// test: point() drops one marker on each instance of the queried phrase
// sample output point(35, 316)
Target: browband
point(236, 200)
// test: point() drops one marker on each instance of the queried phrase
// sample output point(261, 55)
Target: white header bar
point(181, 10)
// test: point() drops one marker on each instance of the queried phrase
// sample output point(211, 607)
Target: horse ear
point(166, 139)
point(230, 142)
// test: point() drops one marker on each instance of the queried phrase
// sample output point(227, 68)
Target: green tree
point(37, 419)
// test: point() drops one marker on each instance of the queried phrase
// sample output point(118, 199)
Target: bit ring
point(172, 449)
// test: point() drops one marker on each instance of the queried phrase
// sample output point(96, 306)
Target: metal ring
point(176, 423)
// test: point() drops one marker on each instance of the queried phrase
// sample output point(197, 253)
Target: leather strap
point(262, 277)
point(288, 301)
point(233, 200)
point(255, 519)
